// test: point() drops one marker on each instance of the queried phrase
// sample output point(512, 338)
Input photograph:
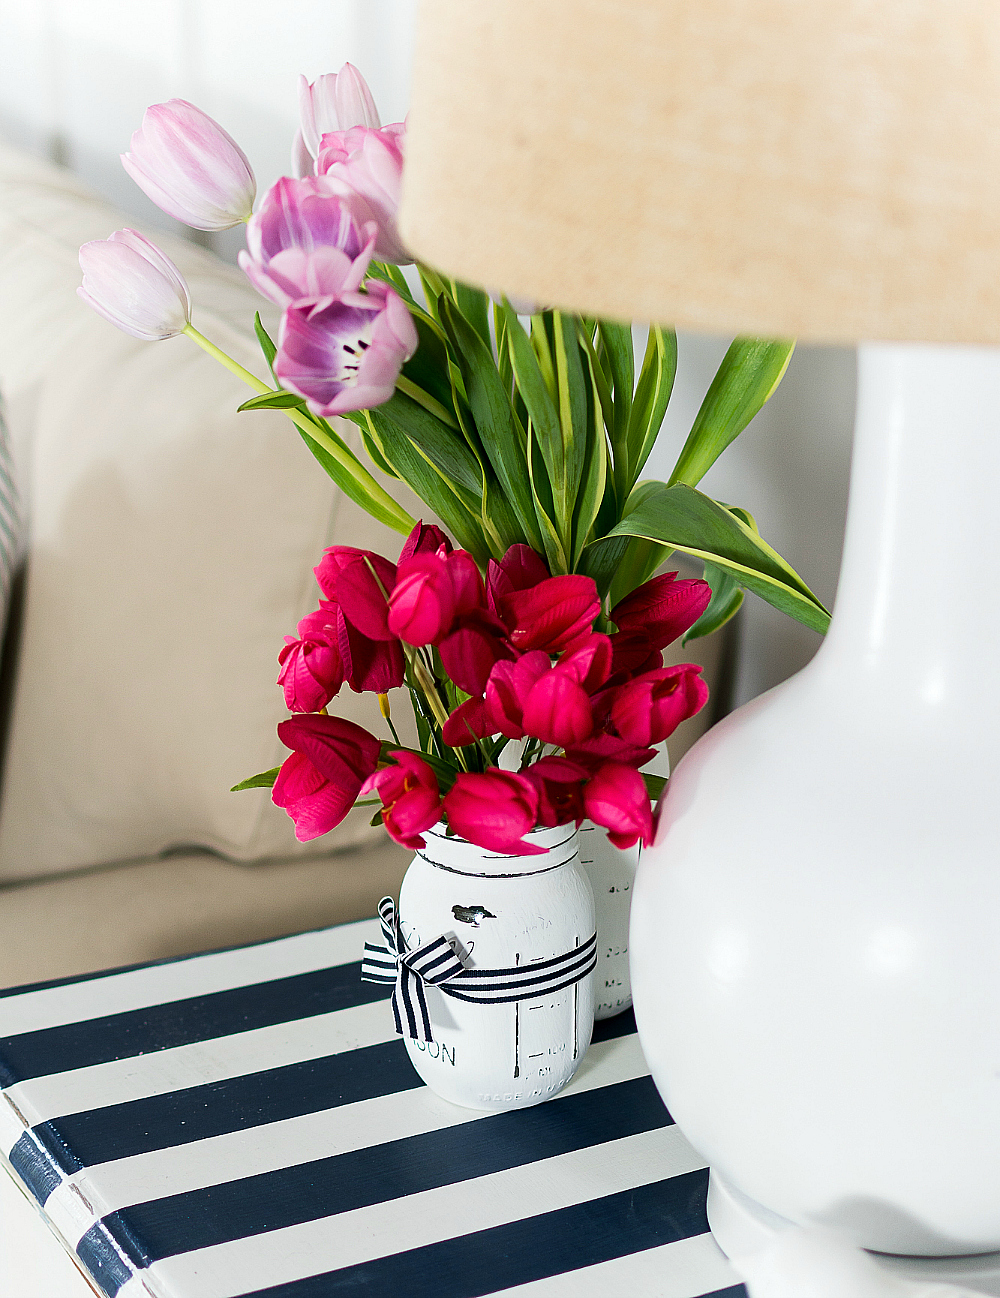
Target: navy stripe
point(552, 1243)
point(177, 1023)
point(233, 1210)
point(34, 1169)
point(619, 1025)
point(235, 1104)
point(101, 1259)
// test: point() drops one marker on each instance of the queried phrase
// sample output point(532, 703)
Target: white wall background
point(76, 75)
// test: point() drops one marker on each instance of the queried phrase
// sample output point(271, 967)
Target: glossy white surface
point(503, 911)
point(815, 963)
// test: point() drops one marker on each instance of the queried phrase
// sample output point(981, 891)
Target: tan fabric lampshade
point(822, 168)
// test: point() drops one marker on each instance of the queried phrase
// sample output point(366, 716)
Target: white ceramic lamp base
point(814, 951)
point(741, 1227)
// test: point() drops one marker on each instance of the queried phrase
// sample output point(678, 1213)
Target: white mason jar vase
point(501, 912)
point(611, 872)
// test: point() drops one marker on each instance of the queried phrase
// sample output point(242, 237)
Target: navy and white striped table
point(247, 1123)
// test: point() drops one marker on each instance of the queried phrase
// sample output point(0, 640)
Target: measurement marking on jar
point(517, 1025)
point(576, 1011)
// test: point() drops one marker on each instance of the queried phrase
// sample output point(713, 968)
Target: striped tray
point(247, 1123)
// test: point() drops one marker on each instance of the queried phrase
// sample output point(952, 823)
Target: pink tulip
point(470, 721)
point(358, 580)
point(426, 538)
point(304, 246)
point(190, 167)
point(476, 642)
point(365, 167)
point(331, 759)
point(602, 747)
point(616, 798)
point(662, 609)
point(311, 668)
point(431, 590)
point(519, 569)
point(411, 799)
point(632, 653)
point(494, 810)
point(130, 282)
point(371, 654)
point(508, 687)
point(557, 710)
point(348, 354)
point(560, 790)
point(333, 102)
point(652, 706)
point(370, 666)
point(552, 614)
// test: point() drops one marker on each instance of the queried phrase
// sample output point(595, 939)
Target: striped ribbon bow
point(436, 963)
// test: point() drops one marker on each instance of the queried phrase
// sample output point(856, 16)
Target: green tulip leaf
point(265, 780)
point(273, 401)
point(684, 519)
point(727, 597)
point(750, 371)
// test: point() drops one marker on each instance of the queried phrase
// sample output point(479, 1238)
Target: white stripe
point(239, 1154)
point(277, 1257)
point(686, 1268)
point(195, 976)
point(199, 1062)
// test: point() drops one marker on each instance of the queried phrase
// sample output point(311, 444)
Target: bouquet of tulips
point(530, 639)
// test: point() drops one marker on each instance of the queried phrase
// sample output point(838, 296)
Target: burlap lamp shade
point(813, 949)
point(828, 169)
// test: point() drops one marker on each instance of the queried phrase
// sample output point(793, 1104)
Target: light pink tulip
point(365, 167)
point(190, 167)
point(130, 282)
point(335, 101)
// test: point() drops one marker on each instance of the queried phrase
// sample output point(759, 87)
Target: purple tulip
point(346, 355)
point(411, 798)
point(190, 167)
point(494, 810)
point(304, 245)
point(365, 167)
point(130, 282)
point(334, 102)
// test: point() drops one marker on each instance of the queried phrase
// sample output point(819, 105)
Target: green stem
point(356, 481)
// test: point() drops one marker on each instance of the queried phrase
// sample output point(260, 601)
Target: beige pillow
point(171, 547)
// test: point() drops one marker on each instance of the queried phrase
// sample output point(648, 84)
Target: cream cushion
point(172, 543)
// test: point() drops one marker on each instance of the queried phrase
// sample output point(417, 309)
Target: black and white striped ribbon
point(436, 963)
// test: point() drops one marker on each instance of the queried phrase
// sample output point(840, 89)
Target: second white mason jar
point(501, 912)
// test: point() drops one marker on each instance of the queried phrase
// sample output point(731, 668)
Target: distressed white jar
point(500, 912)
point(611, 872)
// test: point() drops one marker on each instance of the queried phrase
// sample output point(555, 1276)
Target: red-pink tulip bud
point(319, 783)
point(663, 608)
point(552, 615)
point(411, 799)
point(616, 798)
point(652, 706)
point(494, 810)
